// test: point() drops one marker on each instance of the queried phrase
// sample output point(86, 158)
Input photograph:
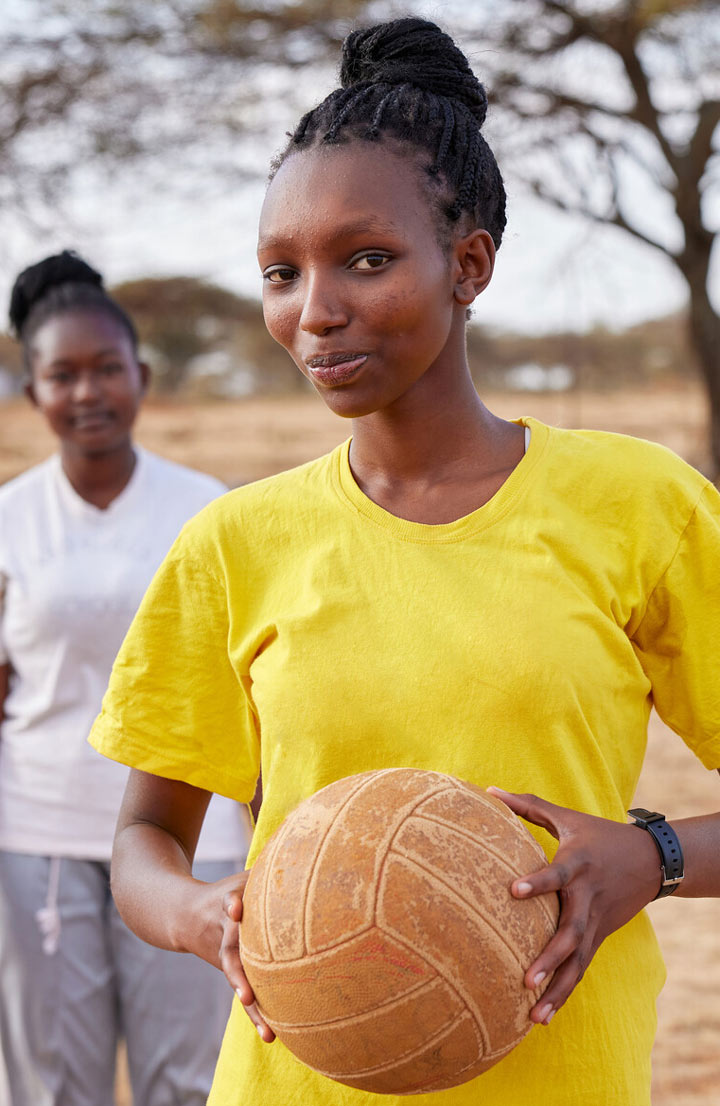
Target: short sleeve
point(678, 640)
point(175, 706)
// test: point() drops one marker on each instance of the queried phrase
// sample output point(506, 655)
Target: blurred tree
point(185, 323)
point(613, 111)
point(177, 318)
point(602, 102)
point(92, 82)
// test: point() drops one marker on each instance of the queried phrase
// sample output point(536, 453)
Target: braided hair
point(407, 80)
point(57, 285)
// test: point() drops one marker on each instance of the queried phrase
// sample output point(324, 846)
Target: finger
point(231, 963)
point(233, 904)
point(264, 1030)
point(561, 987)
point(533, 809)
point(570, 938)
point(554, 877)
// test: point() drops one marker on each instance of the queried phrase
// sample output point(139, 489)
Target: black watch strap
point(672, 864)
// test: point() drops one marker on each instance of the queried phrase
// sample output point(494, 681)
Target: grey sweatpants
point(63, 1010)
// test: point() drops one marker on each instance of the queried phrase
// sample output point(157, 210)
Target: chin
point(347, 406)
point(353, 401)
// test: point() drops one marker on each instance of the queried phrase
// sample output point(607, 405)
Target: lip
point(92, 420)
point(335, 368)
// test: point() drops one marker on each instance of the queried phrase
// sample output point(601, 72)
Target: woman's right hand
point(154, 889)
point(230, 958)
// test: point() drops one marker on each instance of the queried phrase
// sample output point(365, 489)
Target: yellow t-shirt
point(298, 624)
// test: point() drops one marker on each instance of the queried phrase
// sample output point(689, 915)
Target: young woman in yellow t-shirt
point(451, 590)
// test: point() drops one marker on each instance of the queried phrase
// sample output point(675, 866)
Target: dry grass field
point(241, 441)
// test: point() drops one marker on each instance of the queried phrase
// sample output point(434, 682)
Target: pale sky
point(553, 272)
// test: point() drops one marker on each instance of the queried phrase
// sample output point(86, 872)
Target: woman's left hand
point(605, 872)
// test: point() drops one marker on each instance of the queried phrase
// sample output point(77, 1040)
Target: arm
point(155, 891)
point(257, 800)
point(4, 681)
point(605, 872)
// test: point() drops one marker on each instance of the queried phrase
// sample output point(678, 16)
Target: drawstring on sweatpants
point(48, 916)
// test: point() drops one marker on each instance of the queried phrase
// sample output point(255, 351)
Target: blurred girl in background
point(80, 537)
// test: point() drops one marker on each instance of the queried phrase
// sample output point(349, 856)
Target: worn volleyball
point(380, 936)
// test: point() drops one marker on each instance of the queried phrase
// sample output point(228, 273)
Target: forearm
point(700, 841)
point(154, 889)
point(158, 828)
point(4, 683)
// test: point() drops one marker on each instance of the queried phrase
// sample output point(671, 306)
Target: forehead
point(77, 332)
point(331, 190)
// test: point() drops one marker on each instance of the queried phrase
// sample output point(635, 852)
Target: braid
point(353, 104)
point(55, 286)
point(468, 187)
point(407, 80)
point(448, 128)
point(374, 131)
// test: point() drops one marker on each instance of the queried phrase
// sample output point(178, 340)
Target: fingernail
point(238, 993)
point(539, 978)
point(497, 790)
point(546, 1012)
point(523, 888)
point(549, 1018)
point(260, 1032)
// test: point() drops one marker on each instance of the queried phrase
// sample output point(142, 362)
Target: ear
point(145, 375)
point(474, 264)
point(29, 390)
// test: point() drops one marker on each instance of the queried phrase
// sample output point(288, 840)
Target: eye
point(111, 367)
point(279, 275)
point(370, 260)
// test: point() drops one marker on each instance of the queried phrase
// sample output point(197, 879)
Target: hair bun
point(416, 52)
point(36, 281)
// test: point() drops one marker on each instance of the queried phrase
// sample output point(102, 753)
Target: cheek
point(42, 392)
point(49, 402)
point(413, 314)
point(280, 320)
point(126, 393)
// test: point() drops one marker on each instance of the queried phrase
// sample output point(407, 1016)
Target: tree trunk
point(704, 326)
point(704, 322)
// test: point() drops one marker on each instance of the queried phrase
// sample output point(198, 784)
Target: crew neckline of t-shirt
point(491, 512)
point(117, 505)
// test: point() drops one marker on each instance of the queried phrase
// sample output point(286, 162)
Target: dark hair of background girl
point(57, 285)
point(409, 81)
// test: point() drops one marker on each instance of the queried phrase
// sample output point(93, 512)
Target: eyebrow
point(345, 230)
point(111, 352)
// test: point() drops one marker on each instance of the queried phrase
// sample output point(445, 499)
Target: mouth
point(92, 420)
point(335, 368)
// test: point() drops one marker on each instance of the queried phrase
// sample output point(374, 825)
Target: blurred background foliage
point(202, 340)
point(606, 109)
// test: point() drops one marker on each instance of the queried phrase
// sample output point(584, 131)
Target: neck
point(423, 435)
point(435, 455)
point(99, 478)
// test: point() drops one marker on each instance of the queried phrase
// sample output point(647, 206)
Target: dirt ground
point(244, 440)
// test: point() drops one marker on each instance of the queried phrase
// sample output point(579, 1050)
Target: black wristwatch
point(664, 836)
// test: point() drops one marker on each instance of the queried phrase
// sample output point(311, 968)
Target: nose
point(323, 308)
point(86, 387)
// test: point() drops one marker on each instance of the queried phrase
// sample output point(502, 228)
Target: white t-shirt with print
point(71, 578)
